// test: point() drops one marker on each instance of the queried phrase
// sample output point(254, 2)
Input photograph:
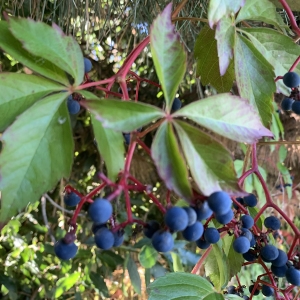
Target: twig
point(44, 213)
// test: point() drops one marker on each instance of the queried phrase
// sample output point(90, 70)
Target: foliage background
point(107, 31)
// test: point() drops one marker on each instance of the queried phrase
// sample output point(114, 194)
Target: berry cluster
point(292, 103)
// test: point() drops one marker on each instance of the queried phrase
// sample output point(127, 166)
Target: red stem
point(291, 16)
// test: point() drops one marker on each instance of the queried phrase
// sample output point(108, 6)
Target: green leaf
point(210, 163)
point(294, 5)
point(169, 162)
point(99, 283)
point(232, 297)
point(206, 55)
point(235, 260)
point(255, 78)
point(214, 296)
point(65, 283)
point(177, 264)
point(226, 115)
point(260, 10)
point(168, 55)
point(111, 147)
point(177, 286)
point(134, 275)
point(148, 256)
point(279, 50)
point(253, 211)
point(13, 47)
point(37, 152)
point(282, 153)
point(51, 44)
point(14, 100)
point(225, 41)
point(216, 267)
point(218, 9)
point(286, 177)
point(123, 116)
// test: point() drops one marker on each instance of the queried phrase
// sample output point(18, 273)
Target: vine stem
point(291, 16)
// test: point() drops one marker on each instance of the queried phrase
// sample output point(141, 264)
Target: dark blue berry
point(240, 200)
point(193, 232)
point(269, 253)
point(272, 223)
point(219, 203)
point(65, 251)
point(104, 238)
point(151, 228)
point(211, 235)
point(231, 289)
point(291, 79)
point(296, 107)
point(267, 290)
point(286, 103)
point(247, 221)
point(97, 226)
point(247, 233)
point(250, 200)
point(162, 241)
point(87, 65)
point(226, 218)
point(202, 244)
point(100, 210)
point(249, 256)
point(253, 241)
point(71, 199)
point(281, 260)
point(293, 276)
point(192, 215)
point(176, 105)
point(127, 138)
point(176, 218)
point(119, 238)
point(241, 244)
point(203, 212)
point(251, 287)
point(279, 271)
point(73, 106)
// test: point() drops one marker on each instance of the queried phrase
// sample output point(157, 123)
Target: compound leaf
point(14, 101)
point(43, 66)
point(168, 55)
point(37, 152)
point(169, 162)
point(206, 55)
point(226, 115)
point(180, 285)
point(111, 147)
point(279, 50)
point(50, 43)
point(124, 116)
point(260, 10)
point(218, 9)
point(255, 78)
point(210, 163)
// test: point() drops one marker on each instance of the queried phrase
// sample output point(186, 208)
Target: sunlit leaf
point(168, 55)
point(148, 256)
point(226, 115)
point(177, 264)
point(65, 283)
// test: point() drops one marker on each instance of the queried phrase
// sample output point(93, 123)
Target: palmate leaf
point(43, 66)
point(227, 115)
point(180, 285)
point(208, 68)
point(210, 163)
point(279, 50)
point(124, 116)
point(169, 162)
point(50, 43)
point(218, 9)
point(20, 91)
point(37, 152)
point(254, 77)
point(168, 55)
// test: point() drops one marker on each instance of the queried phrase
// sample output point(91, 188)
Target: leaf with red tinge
point(218, 9)
point(168, 55)
point(225, 42)
point(210, 163)
point(227, 115)
point(169, 162)
point(51, 44)
point(255, 78)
